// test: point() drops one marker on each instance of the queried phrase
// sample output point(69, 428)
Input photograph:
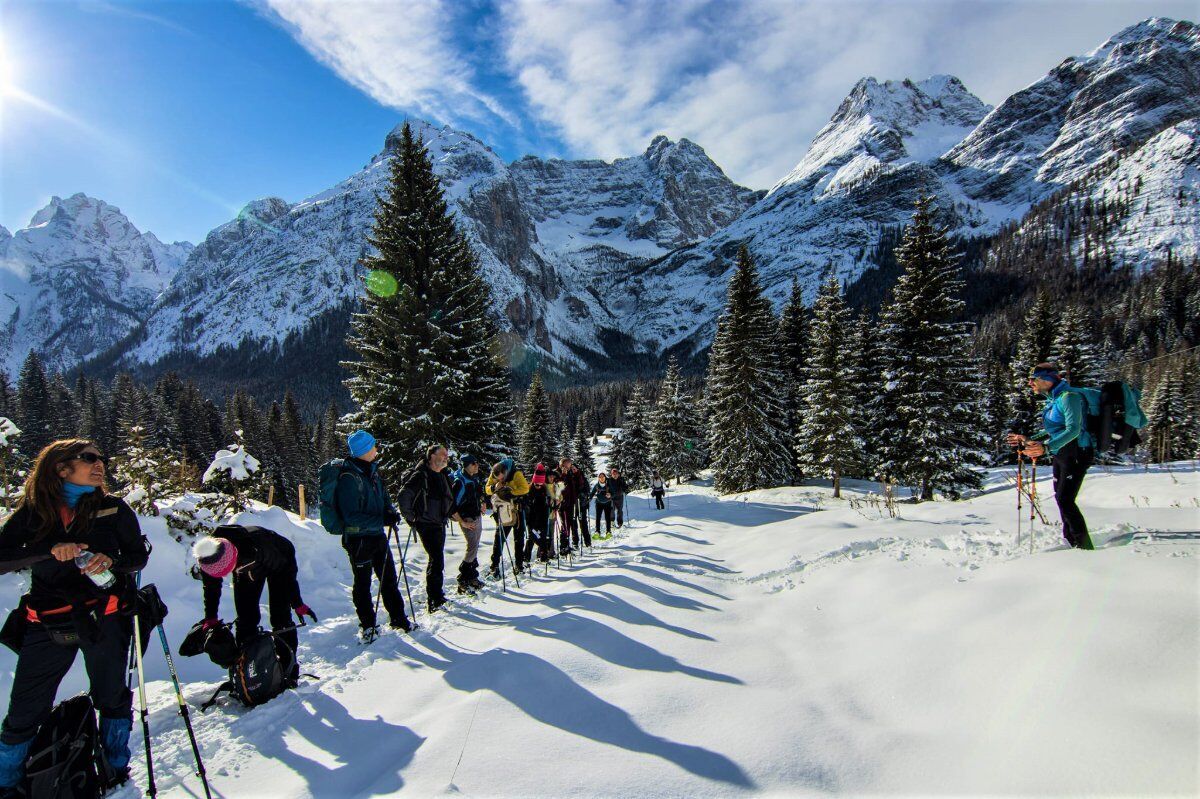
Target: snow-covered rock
point(77, 280)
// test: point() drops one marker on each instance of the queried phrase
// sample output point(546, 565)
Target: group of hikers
point(84, 549)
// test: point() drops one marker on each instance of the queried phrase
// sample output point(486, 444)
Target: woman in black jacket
point(256, 558)
point(85, 548)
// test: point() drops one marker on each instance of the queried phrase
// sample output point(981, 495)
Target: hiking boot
point(369, 634)
point(436, 603)
point(111, 778)
point(403, 625)
point(494, 574)
point(465, 588)
point(476, 584)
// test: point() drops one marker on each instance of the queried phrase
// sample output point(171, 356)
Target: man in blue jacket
point(367, 512)
point(1066, 438)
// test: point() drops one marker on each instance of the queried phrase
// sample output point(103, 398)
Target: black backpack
point(64, 757)
point(256, 677)
point(216, 642)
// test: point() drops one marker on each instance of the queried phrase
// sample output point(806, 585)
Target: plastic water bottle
point(104, 579)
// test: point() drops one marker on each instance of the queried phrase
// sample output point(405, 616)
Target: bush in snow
point(230, 479)
point(11, 473)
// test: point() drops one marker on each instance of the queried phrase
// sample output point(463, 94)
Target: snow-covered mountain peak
point(889, 123)
point(1161, 31)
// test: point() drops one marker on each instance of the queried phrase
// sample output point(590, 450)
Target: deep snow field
point(773, 643)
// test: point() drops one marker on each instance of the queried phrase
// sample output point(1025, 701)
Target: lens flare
point(381, 283)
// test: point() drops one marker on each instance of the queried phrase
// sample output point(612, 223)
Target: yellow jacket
point(517, 483)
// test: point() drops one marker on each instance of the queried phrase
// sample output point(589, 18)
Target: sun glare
point(6, 71)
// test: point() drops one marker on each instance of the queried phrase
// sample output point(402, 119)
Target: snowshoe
point(436, 604)
point(464, 588)
point(369, 634)
point(476, 584)
point(494, 574)
point(403, 625)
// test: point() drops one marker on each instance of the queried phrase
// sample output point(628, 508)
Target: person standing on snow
point(367, 512)
point(467, 489)
point(604, 506)
point(574, 498)
point(618, 488)
point(85, 547)
point(426, 503)
point(537, 514)
point(1071, 448)
point(507, 484)
point(256, 558)
point(658, 488)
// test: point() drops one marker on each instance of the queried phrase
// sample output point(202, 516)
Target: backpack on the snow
point(216, 642)
point(256, 677)
point(64, 759)
point(328, 475)
point(1114, 416)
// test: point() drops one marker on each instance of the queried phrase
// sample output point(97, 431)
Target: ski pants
point(619, 507)
point(283, 592)
point(42, 664)
point(370, 554)
point(518, 532)
point(1070, 465)
point(568, 526)
point(538, 534)
point(658, 500)
point(605, 511)
point(472, 530)
point(433, 539)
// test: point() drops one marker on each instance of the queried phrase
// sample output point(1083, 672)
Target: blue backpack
point(1114, 416)
point(331, 519)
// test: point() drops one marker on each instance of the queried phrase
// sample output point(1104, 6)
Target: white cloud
point(752, 81)
point(400, 52)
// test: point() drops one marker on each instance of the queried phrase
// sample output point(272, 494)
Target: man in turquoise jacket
point(1066, 438)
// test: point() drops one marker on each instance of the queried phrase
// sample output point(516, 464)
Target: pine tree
point(1172, 410)
point(329, 441)
point(1033, 347)
point(425, 370)
point(64, 410)
point(11, 463)
point(747, 434)
point(932, 392)
point(233, 477)
point(33, 406)
point(299, 457)
point(828, 441)
point(536, 431)
point(583, 447)
point(674, 429)
point(144, 471)
point(793, 345)
point(1074, 350)
point(870, 416)
point(566, 443)
point(634, 461)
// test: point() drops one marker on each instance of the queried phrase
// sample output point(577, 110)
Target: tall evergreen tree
point(583, 447)
point(329, 441)
point(870, 416)
point(34, 406)
point(793, 344)
point(1173, 429)
point(747, 433)
point(536, 431)
point(674, 429)
point(932, 391)
point(1033, 347)
point(425, 370)
point(828, 440)
point(1074, 350)
point(566, 442)
point(634, 451)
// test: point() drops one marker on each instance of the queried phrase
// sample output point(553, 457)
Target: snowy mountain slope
point(862, 173)
point(774, 643)
point(78, 279)
point(547, 232)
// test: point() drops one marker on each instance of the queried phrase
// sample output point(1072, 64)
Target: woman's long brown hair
point(44, 488)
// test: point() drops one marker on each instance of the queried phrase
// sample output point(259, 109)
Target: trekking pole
point(500, 534)
point(1020, 491)
point(137, 653)
point(404, 571)
point(511, 562)
point(183, 711)
point(1032, 500)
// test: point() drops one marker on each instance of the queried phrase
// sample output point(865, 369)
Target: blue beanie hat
point(361, 442)
point(467, 460)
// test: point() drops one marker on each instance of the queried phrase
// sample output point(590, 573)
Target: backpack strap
point(212, 700)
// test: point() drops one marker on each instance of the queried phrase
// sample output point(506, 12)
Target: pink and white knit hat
point(216, 556)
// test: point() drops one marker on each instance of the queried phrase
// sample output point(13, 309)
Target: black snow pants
point(370, 554)
point(1070, 465)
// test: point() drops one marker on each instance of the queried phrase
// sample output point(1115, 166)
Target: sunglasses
point(90, 458)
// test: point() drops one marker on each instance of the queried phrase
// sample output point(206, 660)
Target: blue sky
point(180, 112)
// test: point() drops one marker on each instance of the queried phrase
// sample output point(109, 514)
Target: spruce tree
point(566, 443)
point(793, 344)
point(330, 442)
point(870, 417)
point(1033, 347)
point(536, 431)
point(747, 432)
point(674, 429)
point(1074, 350)
point(634, 463)
point(424, 368)
point(34, 406)
point(583, 447)
point(1172, 411)
point(828, 441)
point(932, 393)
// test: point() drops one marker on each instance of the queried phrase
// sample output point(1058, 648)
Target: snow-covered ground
point(775, 643)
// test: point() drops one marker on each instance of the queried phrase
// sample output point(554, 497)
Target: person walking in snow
point(618, 488)
point(1065, 437)
point(603, 496)
point(426, 504)
point(537, 514)
point(574, 498)
point(467, 512)
point(83, 548)
point(254, 558)
point(658, 487)
point(367, 512)
point(506, 484)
